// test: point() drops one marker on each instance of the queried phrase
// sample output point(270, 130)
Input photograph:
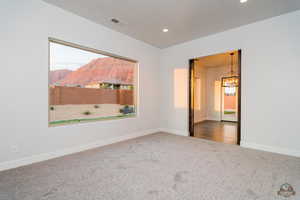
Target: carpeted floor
point(159, 167)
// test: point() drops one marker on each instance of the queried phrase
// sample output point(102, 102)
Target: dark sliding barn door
point(239, 97)
point(191, 97)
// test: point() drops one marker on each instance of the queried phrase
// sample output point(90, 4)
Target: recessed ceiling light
point(165, 30)
point(243, 1)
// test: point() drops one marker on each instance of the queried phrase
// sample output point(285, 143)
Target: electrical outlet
point(14, 149)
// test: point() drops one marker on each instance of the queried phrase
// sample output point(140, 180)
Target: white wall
point(270, 81)
point(24, 31)
point(214, 76)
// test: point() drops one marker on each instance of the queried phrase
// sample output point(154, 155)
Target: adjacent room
point(150, 100)
point(215, 100)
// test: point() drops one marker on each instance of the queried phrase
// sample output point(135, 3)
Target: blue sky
point(65, 57)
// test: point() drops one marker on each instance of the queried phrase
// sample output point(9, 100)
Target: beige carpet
point(159, 167)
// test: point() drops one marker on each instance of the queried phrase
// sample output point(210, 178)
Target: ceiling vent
point(115, 21)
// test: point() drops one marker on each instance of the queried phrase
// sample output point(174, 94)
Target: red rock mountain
point(58, 75)
point(101, 69)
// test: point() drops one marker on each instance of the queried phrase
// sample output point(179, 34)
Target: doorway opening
point(215, 97)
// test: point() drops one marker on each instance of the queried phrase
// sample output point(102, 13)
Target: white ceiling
point(185, 19)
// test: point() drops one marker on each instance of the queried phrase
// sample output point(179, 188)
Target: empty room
point(150, 100)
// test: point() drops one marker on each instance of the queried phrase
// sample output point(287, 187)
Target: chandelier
point(232, 80)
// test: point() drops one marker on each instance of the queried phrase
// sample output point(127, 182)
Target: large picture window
point(89, 85)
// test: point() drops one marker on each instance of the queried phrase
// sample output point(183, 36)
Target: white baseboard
point(174, 131)
point(213, 119)
point(201, 119)
point(46, 156)
point(284, 151)
point(42, 157)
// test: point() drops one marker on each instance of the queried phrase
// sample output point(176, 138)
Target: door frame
point(191, 97)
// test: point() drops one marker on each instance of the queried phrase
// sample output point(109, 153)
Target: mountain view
point(98, 70)
point(58, 75)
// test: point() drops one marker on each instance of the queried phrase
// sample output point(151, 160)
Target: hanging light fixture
point(233, 79)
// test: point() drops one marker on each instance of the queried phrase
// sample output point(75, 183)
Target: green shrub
point(229, 112)
point(87, 112)
point(51, 108)
point(127, 110)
